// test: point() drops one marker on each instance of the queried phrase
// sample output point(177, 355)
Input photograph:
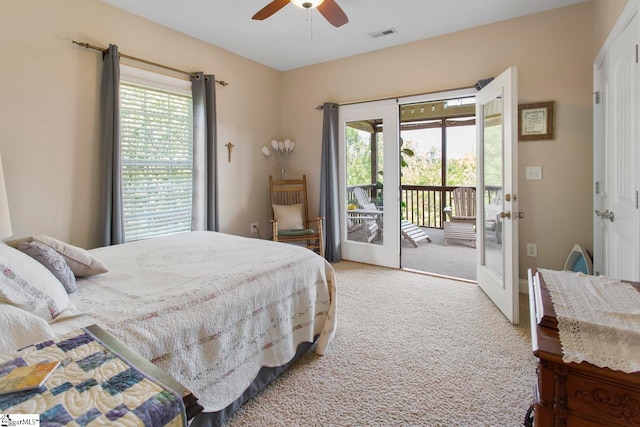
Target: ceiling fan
point(328, 8)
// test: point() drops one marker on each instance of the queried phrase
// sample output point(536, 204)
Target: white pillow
point(27, 284)
point(21, 328)
point(81, 262)
point(54, 262)
point(289, 217)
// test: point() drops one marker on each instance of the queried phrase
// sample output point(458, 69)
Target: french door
point(369, 145)
point(497, 231)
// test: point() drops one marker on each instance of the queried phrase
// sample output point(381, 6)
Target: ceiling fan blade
point(270, 9)
point(334, 14)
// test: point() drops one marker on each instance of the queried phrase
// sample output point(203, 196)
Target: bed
point(222, 314)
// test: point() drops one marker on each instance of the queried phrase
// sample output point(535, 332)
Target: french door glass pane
point(493, 176)
point(364, 159)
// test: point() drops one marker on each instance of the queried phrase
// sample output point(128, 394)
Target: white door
point(616, 154)
point(497, 211)
point(369, 147)
point(599, 165)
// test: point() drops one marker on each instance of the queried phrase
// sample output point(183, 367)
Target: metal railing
point(423, 204)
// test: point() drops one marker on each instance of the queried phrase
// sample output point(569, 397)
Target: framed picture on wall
point(535, 121)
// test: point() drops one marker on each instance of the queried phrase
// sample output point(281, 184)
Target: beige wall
point(605, 15)
point(554, 63)
point(49, 122)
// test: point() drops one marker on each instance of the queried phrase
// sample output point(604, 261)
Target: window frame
point(159, 82)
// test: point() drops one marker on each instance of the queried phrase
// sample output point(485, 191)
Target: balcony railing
point(424, 204)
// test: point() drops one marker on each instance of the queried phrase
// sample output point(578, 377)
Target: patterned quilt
point(91, 385)
point(209, 308)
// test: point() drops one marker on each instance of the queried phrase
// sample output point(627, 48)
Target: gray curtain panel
point(204, 214)
point(112, 214)
point(329, 189)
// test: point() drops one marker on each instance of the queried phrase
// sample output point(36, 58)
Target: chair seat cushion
point(293, 233)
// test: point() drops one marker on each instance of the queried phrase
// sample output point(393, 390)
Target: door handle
point(516, 215)
point(605, 215)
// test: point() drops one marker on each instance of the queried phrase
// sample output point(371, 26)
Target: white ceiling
point(287, 40)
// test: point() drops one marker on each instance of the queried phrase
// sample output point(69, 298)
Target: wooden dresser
point(575, 394)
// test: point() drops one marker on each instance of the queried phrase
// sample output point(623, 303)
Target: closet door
point(600, 82)
point(617, 219)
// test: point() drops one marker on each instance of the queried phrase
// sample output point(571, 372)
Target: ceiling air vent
point(382, 33)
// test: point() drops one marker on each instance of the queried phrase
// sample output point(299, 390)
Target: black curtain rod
point(144, 61)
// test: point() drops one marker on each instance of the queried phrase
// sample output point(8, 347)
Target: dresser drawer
point(602, 400)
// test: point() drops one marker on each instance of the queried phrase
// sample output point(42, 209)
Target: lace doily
point(598, 319)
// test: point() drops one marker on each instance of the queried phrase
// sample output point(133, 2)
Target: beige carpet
point(410, 350)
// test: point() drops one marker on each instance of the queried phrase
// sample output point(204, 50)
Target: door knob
point(505, 214)
point(605, 215)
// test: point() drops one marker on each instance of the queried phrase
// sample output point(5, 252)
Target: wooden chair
point(462, 218)
point(290, 214)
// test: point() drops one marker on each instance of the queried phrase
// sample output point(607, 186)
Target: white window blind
point(156, 127)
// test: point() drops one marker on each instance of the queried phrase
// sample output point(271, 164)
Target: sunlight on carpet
point(409, 350)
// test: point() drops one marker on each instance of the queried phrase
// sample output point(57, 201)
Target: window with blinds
point(156, 129)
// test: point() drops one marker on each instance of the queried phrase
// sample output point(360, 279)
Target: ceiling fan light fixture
point(329, 9)
point(307, 4)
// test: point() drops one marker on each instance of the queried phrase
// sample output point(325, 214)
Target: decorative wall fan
point(328, 8)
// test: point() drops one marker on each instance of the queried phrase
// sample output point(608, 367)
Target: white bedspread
point(209, 308)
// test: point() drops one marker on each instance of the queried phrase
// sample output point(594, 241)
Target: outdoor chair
point(461, 218)
point(408, 230)
point(361, 228)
